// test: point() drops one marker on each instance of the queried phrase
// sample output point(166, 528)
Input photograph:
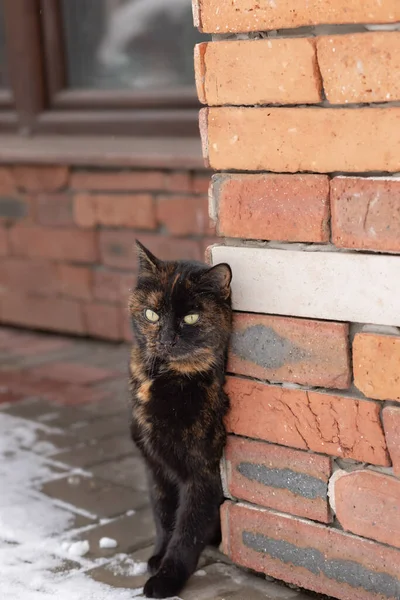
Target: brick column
point(303, 127)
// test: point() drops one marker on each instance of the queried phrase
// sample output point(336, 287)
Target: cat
point(182, 317)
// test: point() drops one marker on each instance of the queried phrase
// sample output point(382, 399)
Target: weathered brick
point(28, 275)
point(366, 213)
point(212, 16)
point(103, 321)
point(41, 179)
point(115, 181)
point(54, 210)
point(376, 360)
point(291, 208)
point(367, 504)
point(75, 282)
point(287, 349)
point(229, 72)
point(42, 313)
point(288, 140)
point(362, 67)
point(133, 210)
point(337, 425)
point(288, 480)
point(3, 241)
point(58, 244)
point(312, 284)
point(70, 372)
point(184, 215)
point(7, 182)
point(112, 286)
point(391, 423)
point(117, 248)
point(13, 208)
point(310, 555)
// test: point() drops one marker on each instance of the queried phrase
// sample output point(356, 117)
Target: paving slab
point(128, 471)
point(96, 496)
point(131, 532)
point(102, 427)
point(98, 452)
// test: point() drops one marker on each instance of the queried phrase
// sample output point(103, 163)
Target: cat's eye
point(191, 319)
point(151, 316)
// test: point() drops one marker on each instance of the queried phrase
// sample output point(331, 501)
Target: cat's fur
point(177, 373)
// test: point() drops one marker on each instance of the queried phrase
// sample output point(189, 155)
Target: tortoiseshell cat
point(181, 316)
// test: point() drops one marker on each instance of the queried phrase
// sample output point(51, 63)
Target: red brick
point(310, 555)
point(376, 360)
point(361, 67)
point(26, 383)
point(21, 343)
point(14, 209)
point(127, 332)
point(288, 349)
point(184, 215)
point(366, 213)
point(287, 140)
point(117, 248)
point(54, 210)
point(7, 397)
point(228, 72)
point(288, 480)
point(75, 282)
point(115, 210)
point(337, 425)
point(179, 182)
point(75, 373)
point(115, 181)
point(41, 179)
point(391, 422)
point(201, 183)
point(292, 208)
point(3, 241)
point(42, 313)
point(25, 275)
point(7, 182)
point(103, 321)
point(58, 244)
point(367, 504)
point(213, 16)
point(112, 286)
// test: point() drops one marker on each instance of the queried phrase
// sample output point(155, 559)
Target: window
point(100, 66)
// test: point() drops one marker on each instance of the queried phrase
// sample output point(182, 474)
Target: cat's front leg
point(198, 516)
point(164, 501)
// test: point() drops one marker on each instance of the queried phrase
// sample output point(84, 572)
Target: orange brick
point(214, 16)
point(287, 349)
point(54, 210)
point(42, 313)
point(331, 424)
point(115, 181)
point(391, 422)
point(58, 244)
point(362, 67)
point(184, 215)
point(309, 555)
point(28, 275)
point(75, 282)
point(7, 182)
point(229, 72)
point(201, 183)
point(376, 360)
point(103, 321)
point(41, 179)
point(291, 208)
point(115, 210)
point(367, 504)
point(112, 286)
point(288, 140)
point(288, 480)
point(366, 213)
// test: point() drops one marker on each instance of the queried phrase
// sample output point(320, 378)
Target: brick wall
point(304, 127)
point(67, 236)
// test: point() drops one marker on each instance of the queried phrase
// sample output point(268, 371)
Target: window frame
point(41, 102)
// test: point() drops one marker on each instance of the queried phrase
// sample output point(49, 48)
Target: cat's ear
point(219, 277)
point(148, 263)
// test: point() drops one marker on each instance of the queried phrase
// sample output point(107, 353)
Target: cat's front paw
point(154, 563)
point(168, 582)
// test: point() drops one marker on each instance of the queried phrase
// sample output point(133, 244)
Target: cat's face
point(181, 311)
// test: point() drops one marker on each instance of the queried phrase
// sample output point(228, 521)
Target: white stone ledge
point(362, 288)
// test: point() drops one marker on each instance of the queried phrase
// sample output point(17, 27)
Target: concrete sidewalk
point(75, 476)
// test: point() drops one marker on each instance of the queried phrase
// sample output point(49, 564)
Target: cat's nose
point(167, 345)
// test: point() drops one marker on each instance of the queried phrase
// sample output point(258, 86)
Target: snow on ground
point(34, 530)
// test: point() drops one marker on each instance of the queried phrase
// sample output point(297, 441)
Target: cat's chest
point(175, 403)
